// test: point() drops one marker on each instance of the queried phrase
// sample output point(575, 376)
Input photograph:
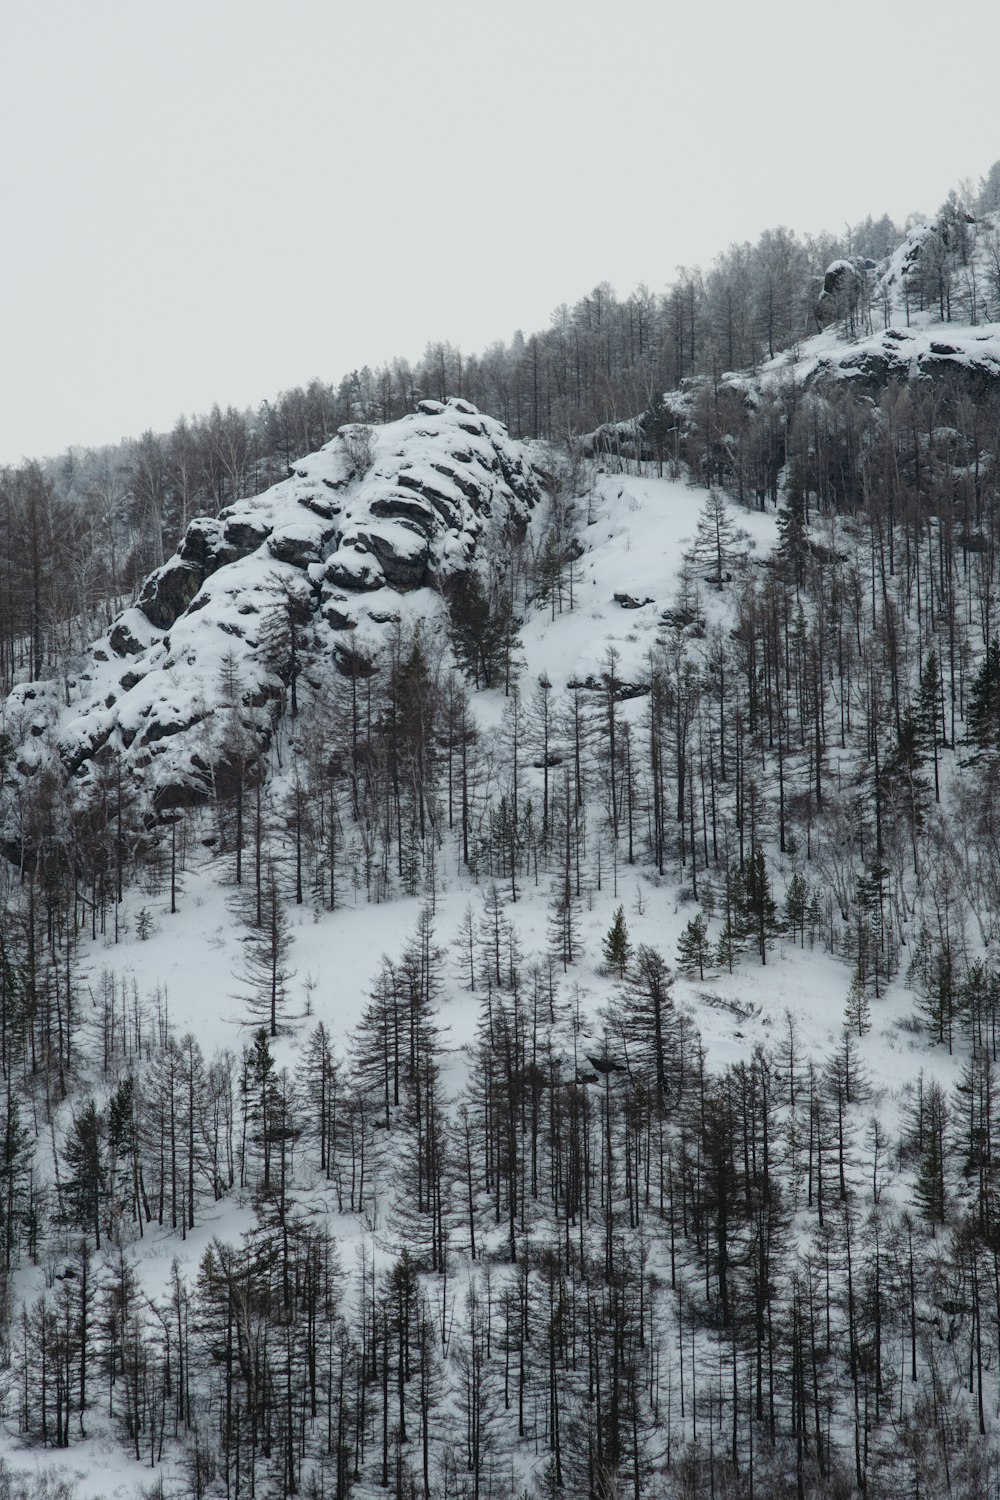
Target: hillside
point(498, 974)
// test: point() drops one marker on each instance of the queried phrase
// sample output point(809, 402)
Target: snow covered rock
point(362, 534)
point(840, 294)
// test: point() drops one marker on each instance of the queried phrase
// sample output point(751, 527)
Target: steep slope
point(362, 534)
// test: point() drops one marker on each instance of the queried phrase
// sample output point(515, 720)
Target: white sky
point(215, 199)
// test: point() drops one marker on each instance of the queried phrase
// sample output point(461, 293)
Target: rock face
point(840, 294)
point(363, 533)
point(971, 355)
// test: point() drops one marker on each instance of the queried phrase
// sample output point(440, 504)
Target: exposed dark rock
point(162, 729)
point(338, 619)
point(403, 563)
point(244, 534)
point(623, 690)
point(168, 592)
point(351, 663)
point(403, 507)
point(351, 569)
point(122, 642)
point(465, 484)
point(418, 501)
point(603, 1064)
point(840, 294)
point(86, 747)
point(202, 543)
point(299, 549)
point(681, 619)
point(320, 507)
point(447, 508)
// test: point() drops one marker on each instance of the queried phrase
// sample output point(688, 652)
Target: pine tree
point(793, 539)
point(982, 718)
point(482, 631)
point(84, 1187)
point(124, 1168)
point(283, 634)
point(797, 906)
point(755, 904)
point(857, 1012)
point(617, 947)
point(902, 774)
point(932, 1127)
point(15, 1168)
point(693, 947)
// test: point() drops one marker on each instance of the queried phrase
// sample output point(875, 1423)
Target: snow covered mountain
point(580, 1082)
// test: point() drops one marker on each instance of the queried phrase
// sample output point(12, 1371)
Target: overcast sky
point(211, 200)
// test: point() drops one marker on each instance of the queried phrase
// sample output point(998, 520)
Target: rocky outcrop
point(971, 355)
point(841, 293)
point(360, 536)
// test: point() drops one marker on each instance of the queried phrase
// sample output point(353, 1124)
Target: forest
point(557, 1247)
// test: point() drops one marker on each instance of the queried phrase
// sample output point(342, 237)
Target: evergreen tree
point(649, 1021)
point(931, 1128)
point(857, 1012)
point(124, 1158)
point(793, 537)
point(15, 1169)
point(283, 636)
point(982, 717)
point(84, 1187)
point(797, 906)
point(755, 904)
point(482, 631)
point(617, 947)
point(694, 950)
point(904, 784)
